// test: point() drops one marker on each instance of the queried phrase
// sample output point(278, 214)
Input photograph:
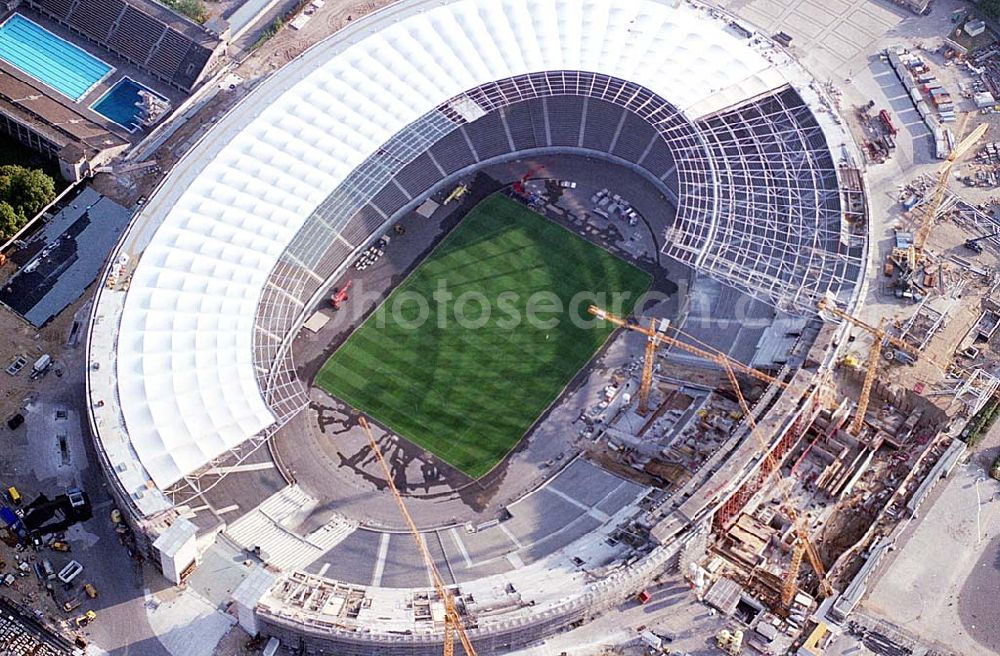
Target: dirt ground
point(18, 337)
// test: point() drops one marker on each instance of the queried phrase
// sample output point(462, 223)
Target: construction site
point(729, 388)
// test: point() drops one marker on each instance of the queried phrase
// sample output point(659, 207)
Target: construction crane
point(825, 305)
point(803, 546)
point(452, 621)
point(973, 244)
point(659, 337)
point(656, 327)
point(880, 336)
point(340, 295)
point(866, 386)
point(932, 206)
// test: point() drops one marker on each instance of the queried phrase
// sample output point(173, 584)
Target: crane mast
point(937, 198)
point(452, 621)
point(730, 366)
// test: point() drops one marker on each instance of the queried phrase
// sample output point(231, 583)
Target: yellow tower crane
point(880, 337)
point(933, 204)
point(803, 546)
point(656, 327)
point(452, 621)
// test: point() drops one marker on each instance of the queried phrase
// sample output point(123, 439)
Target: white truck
point(41, 366)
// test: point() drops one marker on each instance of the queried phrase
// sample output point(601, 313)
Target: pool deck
point(82, 107)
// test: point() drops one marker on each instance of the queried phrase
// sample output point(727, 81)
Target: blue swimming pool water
point(119, 103)
point(49, 59)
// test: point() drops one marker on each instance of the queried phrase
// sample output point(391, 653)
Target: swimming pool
point(49, 59)
point(119, 103)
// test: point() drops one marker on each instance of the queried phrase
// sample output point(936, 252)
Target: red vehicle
point(519, 184)
point(643, 597)
point(340, 295)
point(887, 120)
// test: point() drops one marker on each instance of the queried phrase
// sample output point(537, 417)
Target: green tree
point(193, 9)
point(23, 193)
point(990, 7)
point(10, 221)
point(30, 189)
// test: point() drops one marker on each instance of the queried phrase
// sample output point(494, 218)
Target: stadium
point(225, 414)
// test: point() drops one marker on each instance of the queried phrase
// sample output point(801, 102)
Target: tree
point(28, 190)
point(10, 221)
point(990, 7)
point(193, 9)
point(23, 193)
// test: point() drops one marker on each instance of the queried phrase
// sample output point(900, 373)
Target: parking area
point(22, 635)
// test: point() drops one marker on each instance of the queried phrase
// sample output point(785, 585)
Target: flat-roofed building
point(29, 114)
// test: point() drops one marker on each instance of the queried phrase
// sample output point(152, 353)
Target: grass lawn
point(468, 393)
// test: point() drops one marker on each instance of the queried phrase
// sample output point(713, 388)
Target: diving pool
point(51, 60)
point(120, 103)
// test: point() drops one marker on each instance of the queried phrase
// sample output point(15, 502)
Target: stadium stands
point(150, 36)
point(770, 152)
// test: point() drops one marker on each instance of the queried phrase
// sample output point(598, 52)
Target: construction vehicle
point(86, 618)
point(973, 244)
point(71, 605)
point(730, 366)
point(59, 545)
point(41, 366)
point(457, 193)
point(452, 621)
point(90, 590)
point(518, 185)
point(933, 204)
point(887, 122)
point(340, 295)
point(730, 642)
point(643, 597)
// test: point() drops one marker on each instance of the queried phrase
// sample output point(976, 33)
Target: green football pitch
point(468, 390)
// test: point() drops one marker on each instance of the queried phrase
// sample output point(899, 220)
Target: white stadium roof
point(207, 241)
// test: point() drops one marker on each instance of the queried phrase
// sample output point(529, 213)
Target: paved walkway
point(940, 585)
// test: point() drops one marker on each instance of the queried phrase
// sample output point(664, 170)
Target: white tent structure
point(181, 384)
